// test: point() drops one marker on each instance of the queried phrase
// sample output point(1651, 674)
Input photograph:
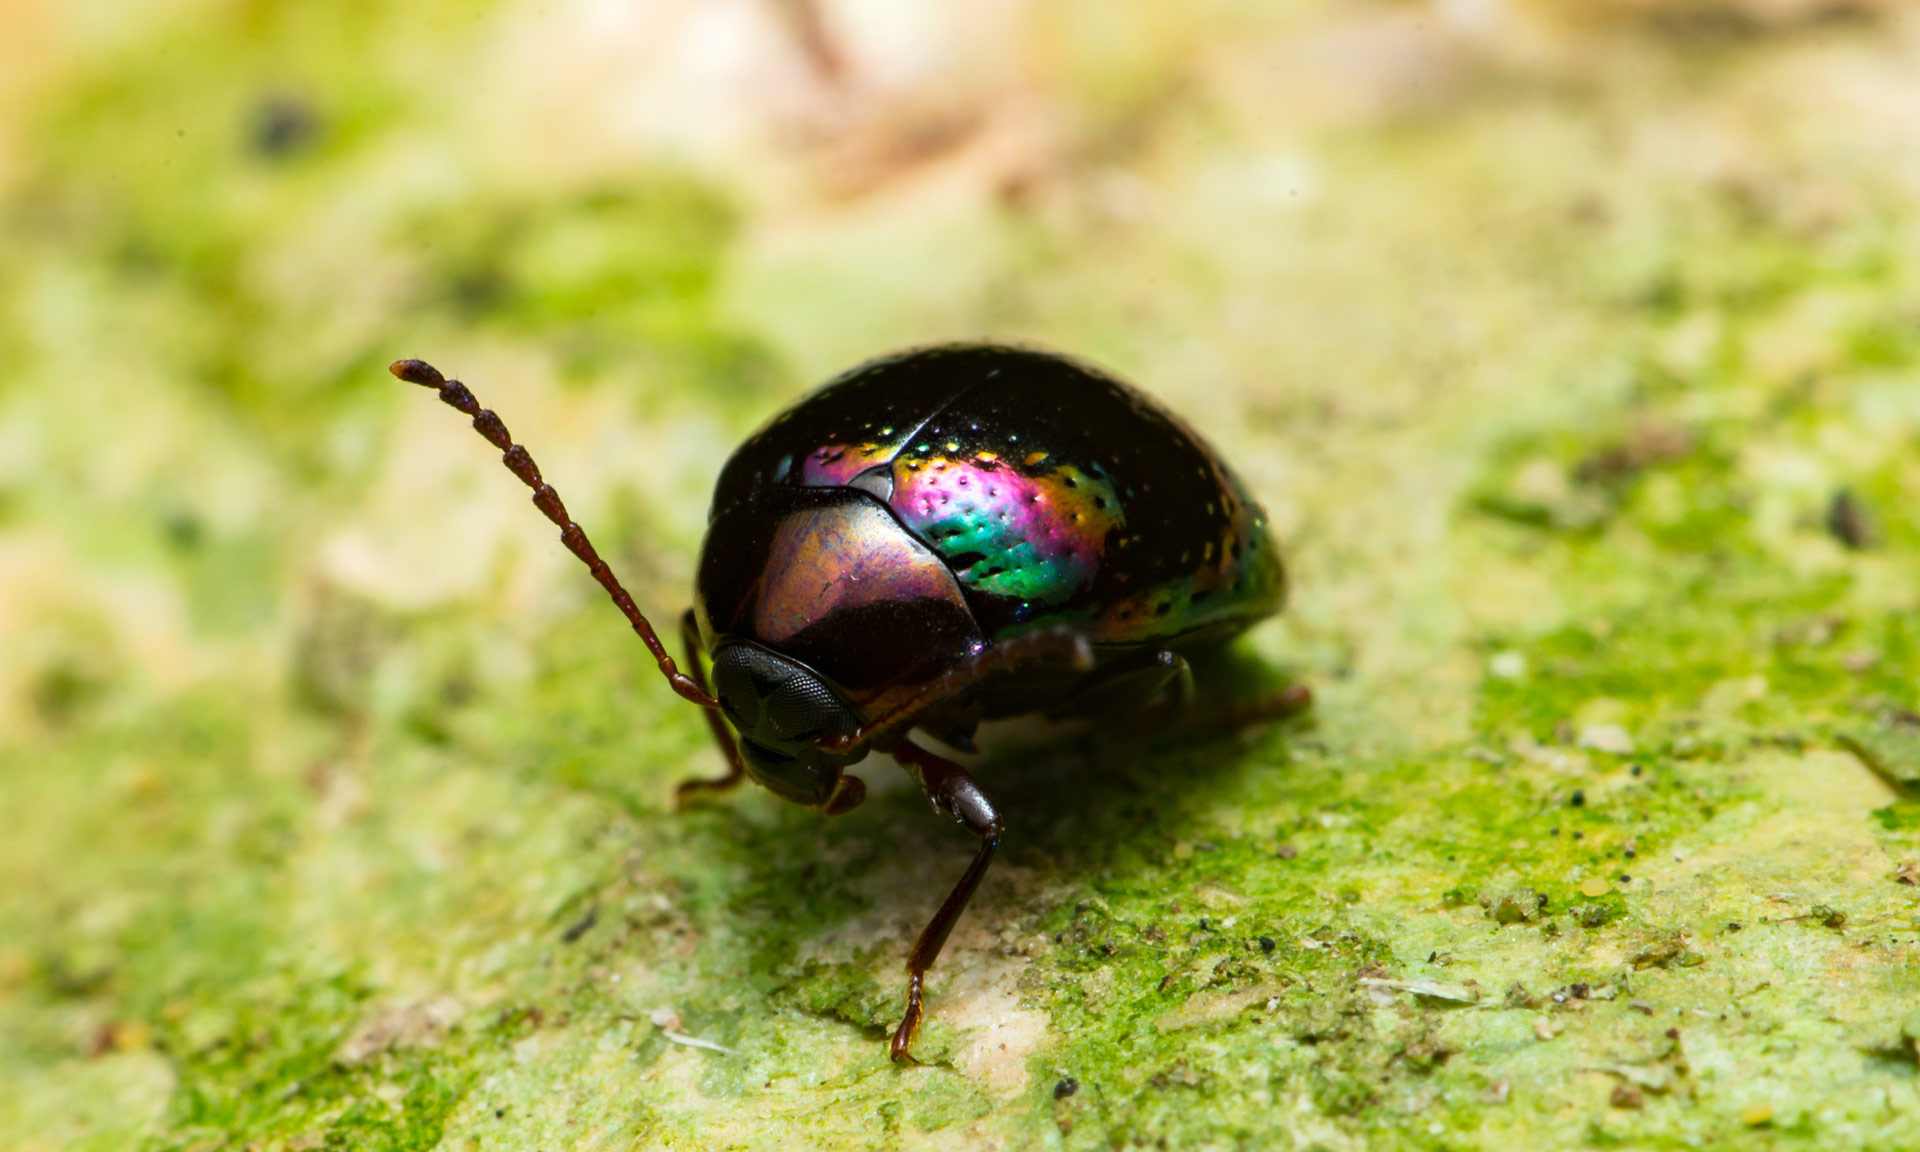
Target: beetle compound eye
point(777, 699)
point(739, 689)
point(746, 677)
point(803, 706)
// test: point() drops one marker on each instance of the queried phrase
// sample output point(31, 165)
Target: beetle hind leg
point(1153, 692)
point(1289, 701)
point(1206, 722)
point(736, 768)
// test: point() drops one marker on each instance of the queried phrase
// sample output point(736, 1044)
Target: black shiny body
point(1158, 545)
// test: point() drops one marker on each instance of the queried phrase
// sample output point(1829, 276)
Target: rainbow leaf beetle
point(935, 538)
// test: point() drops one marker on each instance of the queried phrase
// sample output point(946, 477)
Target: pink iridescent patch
point(1035, 536)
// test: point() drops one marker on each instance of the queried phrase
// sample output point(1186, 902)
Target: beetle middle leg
point(953, 793)
point(736, 768)
point(1129, 686)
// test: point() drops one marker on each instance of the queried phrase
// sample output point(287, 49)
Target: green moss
point(1598, 834)
point(272, 1071)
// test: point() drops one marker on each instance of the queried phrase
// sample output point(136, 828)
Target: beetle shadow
point(1069, 802)
point(1078, 803)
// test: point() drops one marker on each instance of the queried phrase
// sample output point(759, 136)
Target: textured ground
point(1575, 348)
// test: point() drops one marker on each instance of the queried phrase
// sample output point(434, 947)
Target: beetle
point(934, 538)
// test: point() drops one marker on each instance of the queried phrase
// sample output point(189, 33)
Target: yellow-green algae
point(337, 802)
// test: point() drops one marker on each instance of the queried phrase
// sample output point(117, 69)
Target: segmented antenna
point(548, 501)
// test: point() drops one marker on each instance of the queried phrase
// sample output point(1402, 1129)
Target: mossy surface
point(1575, 349)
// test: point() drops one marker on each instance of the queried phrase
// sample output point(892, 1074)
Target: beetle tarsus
point(901, 1049)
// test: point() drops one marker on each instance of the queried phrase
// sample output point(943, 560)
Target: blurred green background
point(1574, 347)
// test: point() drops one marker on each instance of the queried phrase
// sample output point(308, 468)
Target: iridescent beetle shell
point(928, 504)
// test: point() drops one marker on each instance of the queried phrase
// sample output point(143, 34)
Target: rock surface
point(1574, 346)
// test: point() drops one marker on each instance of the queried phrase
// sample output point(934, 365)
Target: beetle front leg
point(736, 768)
point(953, 793)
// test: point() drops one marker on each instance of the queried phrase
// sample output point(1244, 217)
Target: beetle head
point(781, 708)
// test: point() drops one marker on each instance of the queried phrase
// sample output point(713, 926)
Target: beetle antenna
point(518, 462)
